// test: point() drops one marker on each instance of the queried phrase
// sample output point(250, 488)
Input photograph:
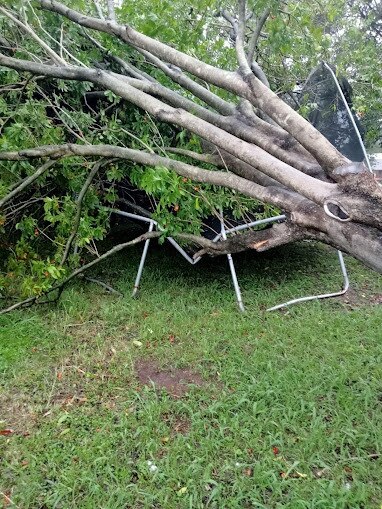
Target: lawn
point(176, 400)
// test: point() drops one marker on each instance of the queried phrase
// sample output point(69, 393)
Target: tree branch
point(218, 104)
point(239, 43)
point(224, 160)
point(204, 158)
point(256, 131)
point(127, 67)
point(32, 300)
point(79, 201)
point(287, 175)
point(111, 10)
point(24, 26)
point(27, 182)
point(247, 86)
point(62, 47)
point(98, 9)
point(275, 196)
point(261, 240)
point(256, 34)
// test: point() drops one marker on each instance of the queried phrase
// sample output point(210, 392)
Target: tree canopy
point(196, 106)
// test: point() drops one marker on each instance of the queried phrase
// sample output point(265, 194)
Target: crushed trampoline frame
point(244, 226)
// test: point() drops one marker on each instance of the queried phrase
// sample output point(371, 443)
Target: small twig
point(61, 40)
point(140, 210)
point(374, 456)
point(98, 9)
point(27, 28)
point(53, 39)
point(256, 34)
point(26, 182)
point(155, 127)
point(128, 67)
point(51, 390)
point(7, 499)
point(136, 138)
point(178, 76)
point(104, 285)
point(25, 84)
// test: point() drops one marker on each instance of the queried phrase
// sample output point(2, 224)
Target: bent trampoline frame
point(223, 235)
point(227, 231)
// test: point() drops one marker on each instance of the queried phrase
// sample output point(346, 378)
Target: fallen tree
point(258, 145)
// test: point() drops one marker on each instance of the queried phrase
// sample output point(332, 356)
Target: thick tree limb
point(176, 100)
point(175, 74)
point(104, 285)
point(275, 196)
point(256, 131)
point(225, 160)
point(263, 240)
point(259, 241)
point(272, 141)
point(246, 170)
point(218, 104)
point(247, 85)
point(245, 65)
point(63, 49)
point(287, 175)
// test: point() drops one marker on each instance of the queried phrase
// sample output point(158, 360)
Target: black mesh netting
point(328, 112)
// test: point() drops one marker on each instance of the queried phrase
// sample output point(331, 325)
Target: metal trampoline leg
point(324, 295)
point(142, 262)
point(233, 271)
point(235, 283)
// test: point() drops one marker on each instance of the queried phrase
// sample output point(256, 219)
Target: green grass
point(307, 382)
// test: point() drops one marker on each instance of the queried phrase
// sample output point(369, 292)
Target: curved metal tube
point(346, 285)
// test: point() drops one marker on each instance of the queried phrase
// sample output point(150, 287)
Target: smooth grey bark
point(244, 85)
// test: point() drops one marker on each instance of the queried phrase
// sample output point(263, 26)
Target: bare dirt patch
point(182, 425)
point(376, 299)
point(178, 424)
point(356, 298)
point(17, 412)
point(175, 381)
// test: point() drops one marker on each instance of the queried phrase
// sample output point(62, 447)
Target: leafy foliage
point(36, 227)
